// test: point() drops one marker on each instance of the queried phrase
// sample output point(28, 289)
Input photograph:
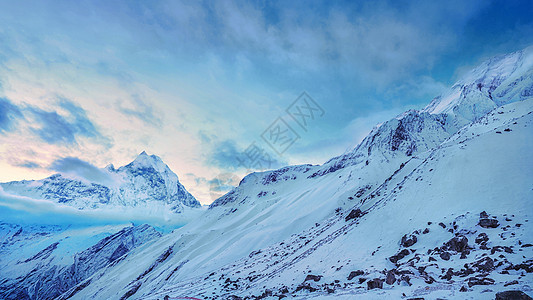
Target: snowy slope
point(147, 182)
point(339, 230)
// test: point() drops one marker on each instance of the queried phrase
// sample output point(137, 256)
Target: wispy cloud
point(9, 113)
point(56, 129)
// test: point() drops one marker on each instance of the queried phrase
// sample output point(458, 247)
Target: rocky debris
point(355, 213)
point(483, 215)
point(375, 283)
point(485, 264)
point(512, 295)
point(448, 275)
point(408, 241)
point(479, 281)
point(354, 274)
point(526, 266)
point(305, 286)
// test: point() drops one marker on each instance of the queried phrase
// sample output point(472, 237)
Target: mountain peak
point(145, 160)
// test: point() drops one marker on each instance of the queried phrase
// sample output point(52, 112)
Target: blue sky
point(88, 83)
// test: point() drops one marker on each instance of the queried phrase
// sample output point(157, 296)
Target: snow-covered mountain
point(43, 262)
point(432, 204)
point(146, 182)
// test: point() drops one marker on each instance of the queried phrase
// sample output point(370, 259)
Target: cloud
point(81, 170)
point(63, 129)
point(225, 155)
point(228, 156)
point(140, 109)
point(24, 210)
point(28, 165)
point(9, 113)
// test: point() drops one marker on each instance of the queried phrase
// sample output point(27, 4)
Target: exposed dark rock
point(354, 274)
point(457, 244)
point(448, 275)
point(400, 255)
point(463, 289)
point(445, 255)
point(391, 279)
point(512, 295)
point(483, 215)
point(426, 231)
point(442, 225)
point(375, 283)
point(482, 237)
point(408, 241)
point(313, 277)
point(355, 213)
point(131, 291)
point(489, 223)
point(361, 280)
point(511, 283)
point(406, 279)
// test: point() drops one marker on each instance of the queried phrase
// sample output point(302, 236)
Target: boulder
point(408, 241)
point(489, 223)
point(354, 274)
point(355, 213)
point(375, 283)
point(512, 295)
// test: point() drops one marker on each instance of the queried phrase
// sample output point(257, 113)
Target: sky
point(206, 85)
